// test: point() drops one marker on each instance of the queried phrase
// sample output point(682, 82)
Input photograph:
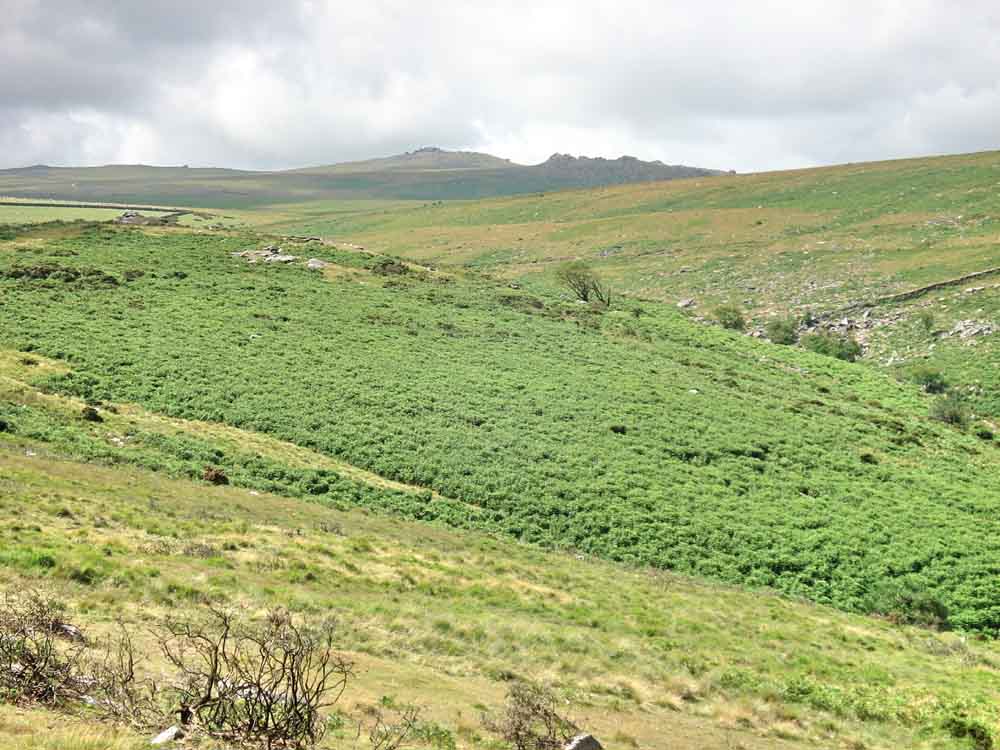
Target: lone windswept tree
point(584, 283)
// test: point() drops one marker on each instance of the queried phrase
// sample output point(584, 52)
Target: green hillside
point(698, 538)
point(634, 435)
point(778, 245)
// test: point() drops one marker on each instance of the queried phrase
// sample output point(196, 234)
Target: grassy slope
point(439, 617)
point(923, 513)
point(776, 244)
point(741, 461)
point(871, 218)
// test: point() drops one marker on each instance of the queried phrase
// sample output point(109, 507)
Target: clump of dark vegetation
point(907, 604)
point(782, 331)
point(91, 277)
point(731, 317)
point(831, 344)
point(584, 283)
point(961, 726)
point(214, 475)
point(951, 409)
point(6, 426)
point(529, 719)
point(930, 379)
point(926, 320)
point(390, 267)
point(90, 414)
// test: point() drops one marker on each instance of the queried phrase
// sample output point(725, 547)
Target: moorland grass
point(730, 458)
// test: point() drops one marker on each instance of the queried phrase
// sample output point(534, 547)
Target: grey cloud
point(271, 85)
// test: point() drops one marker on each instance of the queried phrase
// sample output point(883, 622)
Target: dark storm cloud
point(276, 84)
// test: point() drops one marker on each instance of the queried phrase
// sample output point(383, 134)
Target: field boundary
point(110, 206)
point(913, 293)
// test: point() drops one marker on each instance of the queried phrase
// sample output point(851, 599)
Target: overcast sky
point(284, 83)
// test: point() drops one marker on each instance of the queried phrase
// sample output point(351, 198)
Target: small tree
point(930, 379)
point(951, 409)
point(782, 331)
point(584, 283)
point(731, 317)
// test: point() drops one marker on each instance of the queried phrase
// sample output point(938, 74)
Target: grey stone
point(315, 264)
point(167, 735)
point(584, 742)
point(684, 303)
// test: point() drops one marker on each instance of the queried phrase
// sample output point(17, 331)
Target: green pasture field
point(12, 214)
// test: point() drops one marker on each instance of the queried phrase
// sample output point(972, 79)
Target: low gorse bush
point(731, 317)
point(782, 331)
point(833, 345)
point(951, 409)
point(930, 379)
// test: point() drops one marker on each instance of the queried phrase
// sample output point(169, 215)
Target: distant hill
point(428, 173)
point(429, 158)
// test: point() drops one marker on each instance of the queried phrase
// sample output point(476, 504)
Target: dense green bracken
point(738, 460)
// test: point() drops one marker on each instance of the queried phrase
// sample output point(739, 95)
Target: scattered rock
point(584, 742)
point(967, 329)
point(69, 632)
point(315, 264)
point(131, 217)
point(269, 254)
point(167, 735)
point(685, 303)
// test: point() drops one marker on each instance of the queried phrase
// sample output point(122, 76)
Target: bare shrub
point(116, 692)
point(252, 683)
point(529, 720)
point(40, 654)
point(390, 735)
